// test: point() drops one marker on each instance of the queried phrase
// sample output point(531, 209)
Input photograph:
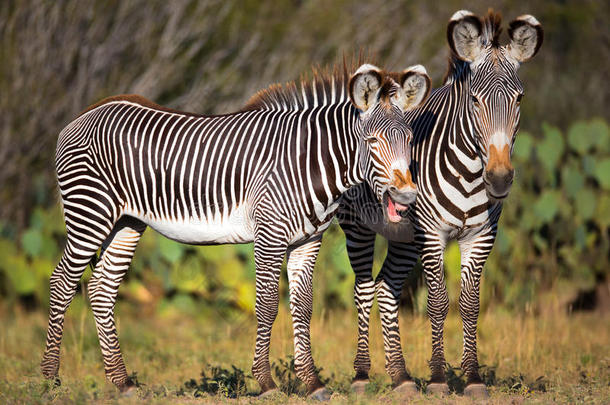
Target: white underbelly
point(233, 228)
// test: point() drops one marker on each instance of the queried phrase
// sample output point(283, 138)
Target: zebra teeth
point(400, 207)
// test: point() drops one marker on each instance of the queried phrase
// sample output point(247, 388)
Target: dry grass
point(570, 353)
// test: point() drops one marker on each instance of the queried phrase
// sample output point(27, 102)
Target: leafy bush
point(220, 381)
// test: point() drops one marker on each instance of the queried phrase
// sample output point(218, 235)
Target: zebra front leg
point(438, 307)
point(301, 261)
point(474, 254)
point(268, 260)
point(80, 249)
point(398, 263)
point(103, 288)
point(360, 245)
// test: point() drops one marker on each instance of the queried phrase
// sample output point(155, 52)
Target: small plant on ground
point(219, 381)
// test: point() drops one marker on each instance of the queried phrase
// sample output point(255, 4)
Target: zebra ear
point(415, 87)
point(364, 87)
point(464, 35)
point(526, 37)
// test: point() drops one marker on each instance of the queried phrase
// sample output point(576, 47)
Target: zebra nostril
point(392, 188)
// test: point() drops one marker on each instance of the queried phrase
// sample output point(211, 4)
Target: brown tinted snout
point(499, 172)
point(402, 188)
point(402, 180)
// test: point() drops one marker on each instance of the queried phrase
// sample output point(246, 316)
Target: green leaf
point(7, 249)
point(215, 254)
point(551, 148)
point(524, 145)
point(573, 181)
point(602, 131)
point(170, 250)
point(31, 241)
point(585, 204)
point(546, 206)
point(189, 276)
point(22, 278)
point(602, 173)
point(588, 165)
point(580, 237)
point(581, 138)
point(246, 296)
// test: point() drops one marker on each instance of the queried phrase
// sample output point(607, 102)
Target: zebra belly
point(233, 228)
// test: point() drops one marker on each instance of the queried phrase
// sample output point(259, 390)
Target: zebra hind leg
point(400, 259)
point(103, 287)
point(360, 244)
point(83, 241)
point(301, 261)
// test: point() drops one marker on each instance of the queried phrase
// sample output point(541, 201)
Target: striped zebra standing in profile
point(271, 174)
point(463, 140)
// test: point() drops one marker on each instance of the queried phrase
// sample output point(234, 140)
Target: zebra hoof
point(321, 394)
point(272, 393)
point(437, 389)
point(477, 391)
point(359, 387)
point(128, 389)
point(407, 389)
point(129, 392)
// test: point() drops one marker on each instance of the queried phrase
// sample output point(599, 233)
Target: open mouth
point(394, 209)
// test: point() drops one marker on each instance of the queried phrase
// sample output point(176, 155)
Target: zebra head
point(384, 136)
point(495, 91)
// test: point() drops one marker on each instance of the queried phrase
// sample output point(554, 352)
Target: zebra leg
point(301, 261)
point(268, 260)
point(103, 287)
point(399, 262)
point(360, 244)
point(474, 254)
point(83, 241)
point(438, 307)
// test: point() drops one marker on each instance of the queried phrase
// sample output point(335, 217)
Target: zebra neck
point(332, 150)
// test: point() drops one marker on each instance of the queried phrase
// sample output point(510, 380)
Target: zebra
point(463, 140)
point(271, 173)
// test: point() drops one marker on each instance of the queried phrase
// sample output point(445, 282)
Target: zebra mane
point(321, 87)
point(491, 31)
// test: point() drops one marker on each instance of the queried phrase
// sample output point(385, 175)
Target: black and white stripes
point(271, 173)
point(463, 137)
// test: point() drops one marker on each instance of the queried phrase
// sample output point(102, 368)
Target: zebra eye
point(372, 140)
point(519, 97)
point(475, 101)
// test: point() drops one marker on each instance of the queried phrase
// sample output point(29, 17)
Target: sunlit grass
point(570, 353)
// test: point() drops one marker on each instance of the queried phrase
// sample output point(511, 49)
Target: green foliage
point(554, 226)
point(285, 374)
point(220, 381)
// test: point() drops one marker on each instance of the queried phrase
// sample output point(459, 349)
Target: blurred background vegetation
point(210, 56)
